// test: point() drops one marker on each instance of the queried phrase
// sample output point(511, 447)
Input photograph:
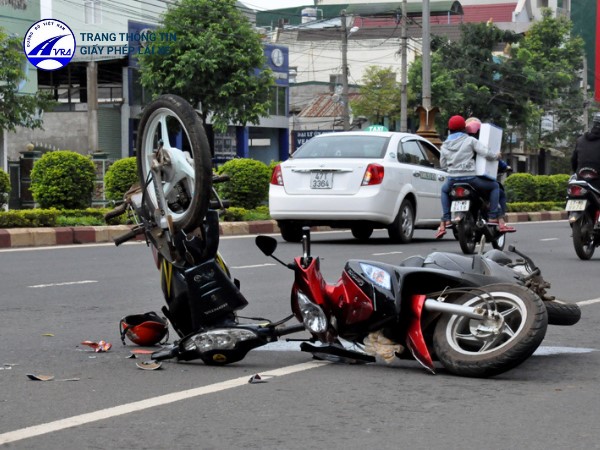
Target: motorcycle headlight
point(313, 316)
point(219, 339)
point(377, 275)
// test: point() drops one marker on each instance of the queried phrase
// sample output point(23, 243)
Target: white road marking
point(388, 253)
point(549, 239)
point(82, 419)
point(253, 266)
point(543, 351)
point(66, 283)
point(589, 302)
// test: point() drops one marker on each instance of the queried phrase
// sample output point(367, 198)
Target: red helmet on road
point(144, 329)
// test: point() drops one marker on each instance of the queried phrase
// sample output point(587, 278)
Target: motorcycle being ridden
point(471, 219)
point(583, 192)
point(473, 319)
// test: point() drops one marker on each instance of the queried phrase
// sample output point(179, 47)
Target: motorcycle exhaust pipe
point(451, 308)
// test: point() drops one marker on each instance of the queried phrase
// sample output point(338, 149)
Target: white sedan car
point(360, 180)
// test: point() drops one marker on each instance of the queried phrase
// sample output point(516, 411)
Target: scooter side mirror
point(266, 244)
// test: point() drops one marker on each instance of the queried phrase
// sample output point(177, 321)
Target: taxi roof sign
point(376, 128)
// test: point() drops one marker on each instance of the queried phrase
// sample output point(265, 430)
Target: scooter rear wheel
point(475, 348)
point(467, 236)
point(172, 140)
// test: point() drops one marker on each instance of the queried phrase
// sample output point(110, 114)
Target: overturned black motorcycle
point(478, 315)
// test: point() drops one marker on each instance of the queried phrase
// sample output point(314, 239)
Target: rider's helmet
point(456, 123)
point(144, 329)
point(472, 125)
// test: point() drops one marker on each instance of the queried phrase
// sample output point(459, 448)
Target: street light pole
point(345, 100)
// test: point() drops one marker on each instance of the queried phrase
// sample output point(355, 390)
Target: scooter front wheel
point(174, 163)
point(484, 348)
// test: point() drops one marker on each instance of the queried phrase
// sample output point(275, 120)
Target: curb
point(46, 237)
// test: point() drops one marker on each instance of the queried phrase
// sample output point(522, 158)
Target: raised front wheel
point(174, 163)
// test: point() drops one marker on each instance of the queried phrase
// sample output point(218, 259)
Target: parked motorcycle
point(469, 211)
point(583, 206)
point(477, 315)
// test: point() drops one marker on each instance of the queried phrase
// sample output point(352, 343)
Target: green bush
point(248, 186)
point(4, 187)
point(544, 188)
point(63, 179)
point(535, 206)
point(29, 218)
point(560, 181)
point(119, 177)
point(520, 187)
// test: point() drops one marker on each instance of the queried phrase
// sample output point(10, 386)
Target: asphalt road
point(53, 299)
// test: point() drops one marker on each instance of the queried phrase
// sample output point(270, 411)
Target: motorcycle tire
point(583, 237)
point(467, 237)
point(362, 232)
point(469, 347)
point(187, 173)
point(560, 313)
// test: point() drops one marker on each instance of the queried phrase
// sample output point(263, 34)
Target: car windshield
point(343, 146)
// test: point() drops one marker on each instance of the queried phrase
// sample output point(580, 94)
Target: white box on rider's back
point(491, 136)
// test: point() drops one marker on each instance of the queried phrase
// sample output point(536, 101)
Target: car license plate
point(460, 205)
point(321, 180)
point(576, 205)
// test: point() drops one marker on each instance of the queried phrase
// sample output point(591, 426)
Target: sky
point(275, 4)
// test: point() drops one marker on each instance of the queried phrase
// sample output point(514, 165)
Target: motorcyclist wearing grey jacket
point(457, 158)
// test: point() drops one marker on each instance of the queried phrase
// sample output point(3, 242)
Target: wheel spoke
point(164, 132)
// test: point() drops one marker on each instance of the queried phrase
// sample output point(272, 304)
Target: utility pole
point(586, 102)
point(426, 57)
point(403, 76)
point(345, 101)
point(426, 112)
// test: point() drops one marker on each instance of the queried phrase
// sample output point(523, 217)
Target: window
point(336, 146)
point(93, 11)
point(278, 103)
point(410, 152)
point(431, 153)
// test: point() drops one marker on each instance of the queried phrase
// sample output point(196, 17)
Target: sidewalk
point(44, 237)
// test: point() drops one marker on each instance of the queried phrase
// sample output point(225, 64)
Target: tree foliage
point(17, 109)
point(509, 79)
point(380, 95)
point(216, 62)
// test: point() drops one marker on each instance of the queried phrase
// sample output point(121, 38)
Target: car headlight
point(377, 275)
point(219, 339)
point(313, 316)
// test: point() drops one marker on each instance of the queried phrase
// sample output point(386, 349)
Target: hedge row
point(525, 187)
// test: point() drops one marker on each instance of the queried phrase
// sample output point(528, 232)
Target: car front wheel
point(402, 228)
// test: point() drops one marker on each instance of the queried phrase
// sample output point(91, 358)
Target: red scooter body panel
point(414, 339)
point(344, 299)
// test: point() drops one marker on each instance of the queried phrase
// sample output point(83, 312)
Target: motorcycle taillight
point(576, 191)
point(459, 192)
